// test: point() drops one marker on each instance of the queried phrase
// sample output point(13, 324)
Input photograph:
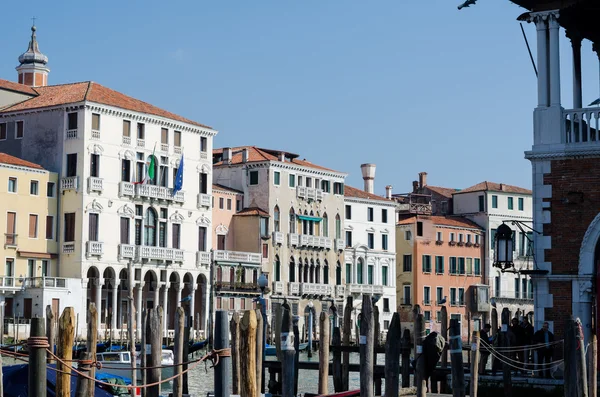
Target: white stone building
point(370, 253)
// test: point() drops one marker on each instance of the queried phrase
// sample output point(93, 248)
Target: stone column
point(99, 283)
point(575, 38)
point(157, 287)
point(115, 308)
point(138, 307)
point(179, 287)
point(164, 306)
point(542, 58)
point(554, 59)
point(192, 304)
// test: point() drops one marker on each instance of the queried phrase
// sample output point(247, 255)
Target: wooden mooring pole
point(346, 332)
point(143, 352)
point(582, 386)
point(50, 333)
point(287, 351)
point(221, 340)
point(456, 358)
point(234, 329)
point(323, 353)
point(66, 335)
point(593, 360)
point(248, 354)
point(366, 344)
point(406, 348)
point(178, 352)
point(506, 376)
point(260, 328)
point(154, 330)
point(420, 378)
point(475, 345)
point(337, 361)
point(297, 352)
point(392, 357)
point(37, 359)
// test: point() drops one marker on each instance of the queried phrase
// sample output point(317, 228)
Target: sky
point(408, 85)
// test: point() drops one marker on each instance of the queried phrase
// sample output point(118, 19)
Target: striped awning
point(309, 218)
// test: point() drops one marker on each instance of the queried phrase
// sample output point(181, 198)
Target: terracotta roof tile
point(350, 191)
point(455, 221)
point(216, 186)
point(494, 187)
point(11, 86)
point(8, 159)
point(252, 211)
point(64, 94)
point(443, 191)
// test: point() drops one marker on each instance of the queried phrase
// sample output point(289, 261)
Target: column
point(99, 283)
point(139, 289)
point(193, 304)
point(554, 59)
point(115, 307)
point(156, 294)
point(575, 38)
point(164, 306)
point(179, 287)
point(542, 58)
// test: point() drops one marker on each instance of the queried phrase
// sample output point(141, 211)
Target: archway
point(122, 296)
point(110, 294)
point(173, 298)
point(201, 300)
point(188, 287)
point(150, 295)
point(94, 290)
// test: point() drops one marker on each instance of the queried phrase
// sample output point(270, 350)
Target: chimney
point(368, 173)
point(244, 155)
point(422, 179)
point(281, 157)
point(415, 186)
point(227, 155)
point(501, 187)
point(388, 192)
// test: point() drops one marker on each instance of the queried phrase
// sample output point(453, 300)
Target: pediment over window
point(222, 229)
point(94, 206)
point(203, 221)
point(126, 211)
point(127, 154)
point(95, 148)
point(176, 217)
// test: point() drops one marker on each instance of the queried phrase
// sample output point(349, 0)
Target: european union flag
point(178, 177)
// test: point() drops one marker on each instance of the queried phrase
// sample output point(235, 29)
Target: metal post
point(222, 371)
point(37, 359)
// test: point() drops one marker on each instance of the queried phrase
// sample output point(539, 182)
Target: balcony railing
point(581, 126)
point(126, 251)
point(164, 147)
point(309, 193)
point(141, 143)
point(45, 282)
point(71, 134)
point(204, 200)
point(340, 291)
point(293, 239)
point(68, 248)
point(126, 140)
point(10, 240)
point(365, 289)
point(316, 289)
point(277, 238)
point(126, 189)
point(160, 253)
point(95, 184)
point(203, 156)
point(96, 135)
point(236, 256)
point(177, 149)
point(202, 258)
point(94, 248)
point(294, 288)
point(278, 287)
point(315, 241)
point(340, 244)
point(236, 286)
point(150, 191)
point(69, 183)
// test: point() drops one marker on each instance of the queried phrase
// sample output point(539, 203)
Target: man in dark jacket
point(528, 331)
point(519, 333)
point(484, 336)
point(544, 353)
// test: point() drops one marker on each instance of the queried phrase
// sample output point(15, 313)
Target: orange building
point(439, 263)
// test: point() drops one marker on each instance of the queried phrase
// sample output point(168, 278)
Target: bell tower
point(32, 67)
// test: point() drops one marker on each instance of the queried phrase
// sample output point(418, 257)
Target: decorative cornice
point(286, 166)
point(390, 203)
point(222, 229)
point(567, 153)
point(204, 168)
point(126, 154)
point(24, 169)
point(203, 221)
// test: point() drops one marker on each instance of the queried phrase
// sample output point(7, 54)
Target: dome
point(33, 54)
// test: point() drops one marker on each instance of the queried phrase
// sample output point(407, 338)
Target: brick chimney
point(422, 179)
point(368, 173)
point(388, 192)
point(415, 186)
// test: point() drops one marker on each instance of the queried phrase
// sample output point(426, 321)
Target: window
point(370, 215)
point(292, 220)
point(253, 177)
point(30, 267)
point(93, 227)
point(521, 203)
point(338, 226)
point(276, 178)
point(406, 295)
point(221, 203)
point(325, 186)
point(348, 211)
point(426, 263)
point(438, 316)
point(497, 285)
point(494, 201)
point(407, 263)
point(221, 242)
point(45, 268)
point(126, 128)
point(177, 138)
point(176, 239)
point(510, 203)
point(453, 269)
point(124, 230)
point(529, 251)
point(438, 237)
point(50, 186)
point(338, 188)
point(164, 136)
point(481, 203)
point(2, 131)
point(150, 227)
point(49, 227)
point(69, 234)
point(94, 165)
point(238, 205)
point(229, 204)
point(439, 265)
point(265, 250)
point(33, 188)
point(71, 164)
point(12, 185)
point(264, 227)
point(427, 295)
point(477, 267)
point(452, 237)
point(420, 229)
point(461, 296)
point(524, 288)
point(469, 238)
point(95, 122)
point(276, 219)
point(308, 182)
point(386, 305)
point(517, 292)
point(11, 227)
point(384, 242)
point(141, 131)
point(33, 225)
point(453, 301)
point(359, 272)
point(407, 235)
point(371, 240)
point(469, 265)
point(299, 180)
point(348, 272)
point(461, 265)
point(202, 239)
point(384, 275)
point(460, 237)
point(72, 121)
point(292, 180)
point(477, 239)
point(9, 267)
point(370, 270)
point(439, 295)
point(20, 131)
point(384, 216)
point(325, 225)
point(348, 238)
point(530, 289)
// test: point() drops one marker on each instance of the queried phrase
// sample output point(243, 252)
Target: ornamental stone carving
point(126, 211)
point(95, 148)
point(222, 229)
point(126, 154)
point(176, 217)
point(94, 206)
point(203, 221)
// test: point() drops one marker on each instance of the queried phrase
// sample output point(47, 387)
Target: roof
point(443, 191)
point(216, 186)
point(353, 192)
point(8, 159)
point(256, 155)
point(63, 94)
point(252, 211)
point(16, 87)
point(494, 187)
point(455, 221)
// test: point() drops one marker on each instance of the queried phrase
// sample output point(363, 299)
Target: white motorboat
point(119, 363)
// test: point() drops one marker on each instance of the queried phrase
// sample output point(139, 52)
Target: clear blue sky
point(410, 85)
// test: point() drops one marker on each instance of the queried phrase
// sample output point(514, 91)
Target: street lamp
point(503, 246)
point(262, 283)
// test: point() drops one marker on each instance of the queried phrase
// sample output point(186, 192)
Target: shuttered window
point(69, 227)
point(176, 235)
point(126, 128)
point(124, 230)
point(33, 223)
point(96, 121)
point(164, 136)
point(49, 227)
point(93, 227)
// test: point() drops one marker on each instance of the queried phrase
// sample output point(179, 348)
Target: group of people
point(526, 347)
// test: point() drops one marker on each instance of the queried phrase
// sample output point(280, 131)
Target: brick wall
point(562, 309)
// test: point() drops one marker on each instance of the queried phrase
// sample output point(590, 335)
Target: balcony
point(126, 189)
point(293, 239)
point(152, 192)
point(203, 258)
point(96, 135)
point(309, 193)
point(10, 283)
point(277, 238)
point(278, 287)
point(10, 240)
point(69, 183)
point(68, 248)
point(164, 147)
point(294, 288)
point(340, 244)
point(45, 282)
point(177, 149)
point(126, 251)
point(314, 289)
point(203, 156)
point(204, 201)
point(413, 203)
point(236, 256)
point(159, 253)
point(94, 248)
point(340, 291)
point(71, 134)
point(236, 286)
point(357, 289)
point(141, 143)
point(315, 241)
point(95, 184)
point(126, 140)
point(581, 127)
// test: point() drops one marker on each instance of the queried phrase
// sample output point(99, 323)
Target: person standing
point(545, 338)
point(484, 336)
point(528, 334)
point(519, 337)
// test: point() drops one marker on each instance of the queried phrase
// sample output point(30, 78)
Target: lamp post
point(262, 283)
point(503, 248)
point(310, 328)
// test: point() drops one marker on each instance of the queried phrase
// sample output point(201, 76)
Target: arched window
point(311, 225)
point(232, 278)
point(300, 271)
point(306, 269)
point(338, 226)
point(292, 271)
point(312, 271)
point(277, 269)
point(292, 220)
point(359, 271)
point(325, 223)
point(150, 228)
point(276, 219)
point(325, 272)
point(318, 272)
point(349, 273)
point(316, 226)
point(305, 224)
point(338, 274)
point(151, 170)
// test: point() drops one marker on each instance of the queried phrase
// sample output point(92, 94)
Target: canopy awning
point(309, 218)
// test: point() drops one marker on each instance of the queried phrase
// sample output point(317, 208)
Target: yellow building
point(28, 214)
